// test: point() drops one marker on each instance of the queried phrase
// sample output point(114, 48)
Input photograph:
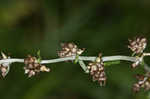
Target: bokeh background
point(97, 25)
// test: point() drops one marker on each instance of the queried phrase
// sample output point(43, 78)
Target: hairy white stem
point(83, 66)
point(81, 59)
point(146, 54)
point(84, 58)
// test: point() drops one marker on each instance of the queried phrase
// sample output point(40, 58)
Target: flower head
point(69, 49)
point(4, 68)
point(32, 67)
point(97, 71)
point(143, 82)
point(138, 44)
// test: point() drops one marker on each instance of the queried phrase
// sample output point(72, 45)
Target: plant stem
point(81, 59)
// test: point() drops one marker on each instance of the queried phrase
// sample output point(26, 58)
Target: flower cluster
point(69, 49)
point(97, 71)
point(95, 68)
point(4, 68)
point(143, 82)
point(32, 66)
point(138, 44)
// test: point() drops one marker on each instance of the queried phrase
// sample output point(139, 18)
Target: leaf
point(39, 53)
point(3, 55)
point(76, 59)
point(111, 63)
point(39, 56)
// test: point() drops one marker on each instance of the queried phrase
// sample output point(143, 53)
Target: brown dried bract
point(97, 71)
point(32, 67)
point(69, 49)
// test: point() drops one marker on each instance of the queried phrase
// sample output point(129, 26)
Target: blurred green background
point(97, 25)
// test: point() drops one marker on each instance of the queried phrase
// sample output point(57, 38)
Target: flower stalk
point(96, 66)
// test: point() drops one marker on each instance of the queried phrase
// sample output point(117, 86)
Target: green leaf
point(77, 59)
point(39, 56)
point(39, 53)
point(111, 63)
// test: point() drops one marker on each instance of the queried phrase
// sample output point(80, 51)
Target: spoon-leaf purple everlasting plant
point(96, 66)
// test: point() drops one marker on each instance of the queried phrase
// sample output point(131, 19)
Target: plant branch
point(81, 59)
